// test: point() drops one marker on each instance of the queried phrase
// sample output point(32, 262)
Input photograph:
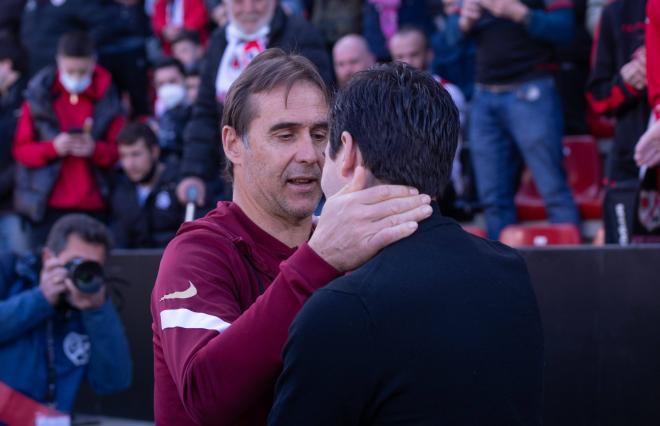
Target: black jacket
point(621, 33)
point(10, 109)
point(43, 23)
point(170, 132)
point(201, 150)
point(441, 328)
point(10, 17)
point(153, 224)
point(34, 185)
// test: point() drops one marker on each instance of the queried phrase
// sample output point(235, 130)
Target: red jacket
point(217, 345)
point(75, 187)
point(195, 18)
point(653, 54)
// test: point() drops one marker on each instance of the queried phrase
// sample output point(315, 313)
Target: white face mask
point(171, 95)
point(75, 85)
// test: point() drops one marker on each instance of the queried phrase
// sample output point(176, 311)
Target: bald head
point(410, 46)
point(351, 55)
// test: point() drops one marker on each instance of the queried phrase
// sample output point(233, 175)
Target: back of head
point(404, 123)
point(85, 227)
point(76, 44)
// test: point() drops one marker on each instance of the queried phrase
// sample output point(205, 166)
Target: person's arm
point(22, 312)
point(110, 367)
point(607, 92)
point(555, 25)
point(196, 17)
point(652, 56)
point(328, 374)
point(159, 18)
point(27, 150)
point(221, 360)
point(105, 153)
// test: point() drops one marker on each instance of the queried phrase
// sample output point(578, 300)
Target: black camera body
point(86, 275)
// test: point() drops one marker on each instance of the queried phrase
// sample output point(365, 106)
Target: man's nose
point(308, 151)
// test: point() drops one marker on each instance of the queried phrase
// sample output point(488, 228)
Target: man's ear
point(155, 152)
point(232, 145)
point(350, 155)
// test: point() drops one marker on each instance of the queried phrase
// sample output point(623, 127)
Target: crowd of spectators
point(112, 107)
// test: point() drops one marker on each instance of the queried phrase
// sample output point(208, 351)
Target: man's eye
point(285, 136)
point(320, 137)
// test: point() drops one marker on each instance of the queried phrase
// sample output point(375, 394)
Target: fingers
point(416, 214)
point(390, 235)
point(397, 206)
point(647, 151)
point(380, 193)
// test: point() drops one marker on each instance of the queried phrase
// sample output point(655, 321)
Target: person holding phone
point(65, 140)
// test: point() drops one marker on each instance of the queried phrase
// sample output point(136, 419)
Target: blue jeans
point(522, 123)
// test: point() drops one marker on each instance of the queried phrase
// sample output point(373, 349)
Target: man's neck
point(291, 232)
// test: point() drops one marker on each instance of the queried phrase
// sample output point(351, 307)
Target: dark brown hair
point(269, 70)
point(85, 227)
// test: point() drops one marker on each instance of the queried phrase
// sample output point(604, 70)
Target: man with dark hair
point(54, 331)
point(13, 81)
point(145, 211)
point(65, 142)
point(193, 81)
point(230, 284)
point(253, 26)
point(440, 328)
point(172, 111)
point(188, 49)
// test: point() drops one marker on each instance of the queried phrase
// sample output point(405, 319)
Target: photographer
point(56, 324)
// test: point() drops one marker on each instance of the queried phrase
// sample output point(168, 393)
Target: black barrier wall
point(600, 310)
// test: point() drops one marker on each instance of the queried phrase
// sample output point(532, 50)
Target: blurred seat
point(475, 230)
point(584, 173)
point(540, 235)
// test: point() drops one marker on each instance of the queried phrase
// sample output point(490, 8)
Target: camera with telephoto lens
point(86, 275)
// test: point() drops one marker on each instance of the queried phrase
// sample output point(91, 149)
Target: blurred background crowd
point(112, 107)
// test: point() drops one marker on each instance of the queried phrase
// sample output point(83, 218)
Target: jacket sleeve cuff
point(630, 89)
point(49, 150)
point(307, 263)
point(41, 304)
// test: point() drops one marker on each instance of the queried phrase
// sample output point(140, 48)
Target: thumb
point(358, 183)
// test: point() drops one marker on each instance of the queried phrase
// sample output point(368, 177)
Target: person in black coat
point(201, 151)
point(145, 211)
point(13, 82)
point(439, 328)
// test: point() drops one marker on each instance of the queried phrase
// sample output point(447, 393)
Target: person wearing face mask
point(253, 26)
point(145, 211)
point(65, 141)
point(172, 110)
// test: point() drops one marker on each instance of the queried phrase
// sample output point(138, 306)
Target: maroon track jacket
point(217, 341)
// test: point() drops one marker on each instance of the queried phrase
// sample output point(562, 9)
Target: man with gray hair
point(253, 26)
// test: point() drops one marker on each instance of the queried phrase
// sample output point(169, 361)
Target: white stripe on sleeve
point(186, 318)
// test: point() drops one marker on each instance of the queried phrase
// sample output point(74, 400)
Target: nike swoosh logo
point(186, 294)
